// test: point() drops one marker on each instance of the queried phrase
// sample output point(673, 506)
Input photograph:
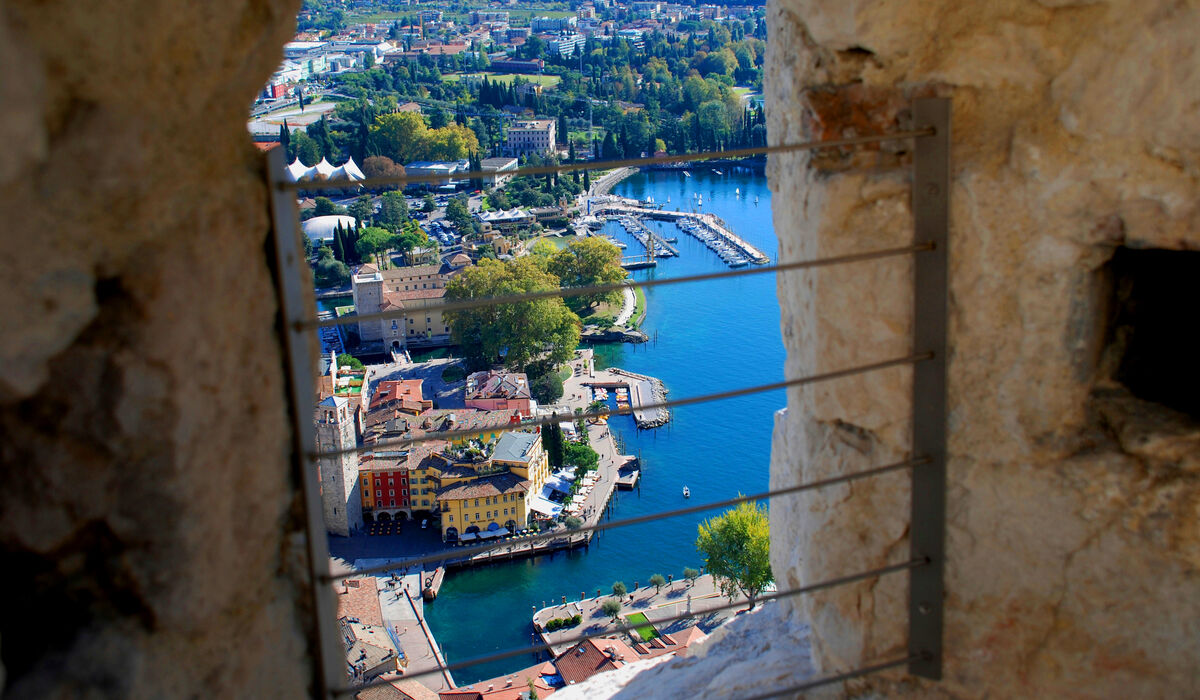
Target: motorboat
point(686, 493)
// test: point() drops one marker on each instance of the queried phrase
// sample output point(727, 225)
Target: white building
point(555, 24)
point(532, 136)
point(497, 166)
point(319, 229)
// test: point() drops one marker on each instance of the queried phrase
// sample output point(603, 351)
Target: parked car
point(425, 523)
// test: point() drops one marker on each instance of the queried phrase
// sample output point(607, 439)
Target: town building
point(497, 166)
point(531, 136)
point(444, 169)
point(498, 390)
point(403, 395)
point(485, 488)
point(412, 291)
point(565, 44)
point(487, 16)
point(370, 650)
point(514, 65)
point(552, 24)
point(320, 229)
point(335, 431)
point(505, 220)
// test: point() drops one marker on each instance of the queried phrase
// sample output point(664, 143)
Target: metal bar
point(604, 288)
point(912, 564)
point(931, 220)
point(293, 297)
point(827, 680)
point(558, 418)
point(636, 520)
point(603, 165)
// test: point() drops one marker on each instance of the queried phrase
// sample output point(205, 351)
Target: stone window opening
point(1149, 346)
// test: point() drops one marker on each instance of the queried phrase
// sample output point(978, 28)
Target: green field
point(543, 80)
point(641, 624)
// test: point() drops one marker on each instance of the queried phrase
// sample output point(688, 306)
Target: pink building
point(499, 391)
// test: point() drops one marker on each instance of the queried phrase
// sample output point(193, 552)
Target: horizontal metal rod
point(827, 680)
point(559, 292)
point(605, 164)
point(636, 520)
point(560, 417)
point(802, 590)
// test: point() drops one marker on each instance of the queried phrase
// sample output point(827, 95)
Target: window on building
point(391, 482)
point(392, 493)
point(379, 494)
point(424, 502)
point(393, 504)
point(451, 518)
point(476, 502)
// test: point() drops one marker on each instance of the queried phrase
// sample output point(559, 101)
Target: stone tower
point(368, 295)
point(340, 501)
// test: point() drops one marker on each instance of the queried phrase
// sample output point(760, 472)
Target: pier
point(656, 246)
point(711, 223)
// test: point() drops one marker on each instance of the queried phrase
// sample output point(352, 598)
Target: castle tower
point(340, 501)
point(368, 295)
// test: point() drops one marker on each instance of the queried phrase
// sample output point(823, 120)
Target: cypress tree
point(339, 252)
point(285, 138)
point(587, 180)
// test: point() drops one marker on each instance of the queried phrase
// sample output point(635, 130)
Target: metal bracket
point(931, 219)
point(294, 309)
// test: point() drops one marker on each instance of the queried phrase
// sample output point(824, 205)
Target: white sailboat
point(737, 192)
point(685, 173)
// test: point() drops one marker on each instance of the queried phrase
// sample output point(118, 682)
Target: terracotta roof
point(593, 656)
point(391, 422)
point(398, 390)
point(460, 694)
point(422, 453)
point(496, 384)
point(486, 486)
point(398, 298)
point(514, 686)
point(398, 689)
point(391, 301)
point(359, 598)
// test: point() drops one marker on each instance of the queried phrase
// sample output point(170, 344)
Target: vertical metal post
point(931, 214)
point(294, 308)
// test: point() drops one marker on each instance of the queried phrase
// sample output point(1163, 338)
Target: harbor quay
point(660, 606)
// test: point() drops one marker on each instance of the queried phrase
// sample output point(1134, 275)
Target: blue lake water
point(706, 337)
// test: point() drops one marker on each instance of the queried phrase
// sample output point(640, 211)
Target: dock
point(656, 246)
point(719, 229)
point(627, 481)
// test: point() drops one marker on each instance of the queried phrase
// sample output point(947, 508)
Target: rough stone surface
point(1072, 539)
point(147, 534)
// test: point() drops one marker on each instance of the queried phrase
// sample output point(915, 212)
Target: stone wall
point(148, 535)
point(1072, 543)
point(1072, 539)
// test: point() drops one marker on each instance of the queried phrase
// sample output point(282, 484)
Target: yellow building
point(482, 495)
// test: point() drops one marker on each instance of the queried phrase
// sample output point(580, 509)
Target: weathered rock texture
point(1073, 542)
point(147, 511)
point(1072, 529)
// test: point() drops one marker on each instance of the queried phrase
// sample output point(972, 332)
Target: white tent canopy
point(349, 170)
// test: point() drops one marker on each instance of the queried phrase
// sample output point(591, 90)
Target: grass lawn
point(639, 307)
point(506, 78)
point(641, 624)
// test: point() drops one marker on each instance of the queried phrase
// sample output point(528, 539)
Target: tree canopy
point(518, 333)
point(588, 262)
point(736, 549)
point(404, 137)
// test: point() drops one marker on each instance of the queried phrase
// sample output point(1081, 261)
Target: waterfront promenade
point(675, 598)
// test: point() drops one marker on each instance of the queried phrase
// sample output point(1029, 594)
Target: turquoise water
point(706, 337)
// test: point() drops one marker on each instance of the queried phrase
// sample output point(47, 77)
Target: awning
point(546, 507)
point(467, 537)
point(488, 534)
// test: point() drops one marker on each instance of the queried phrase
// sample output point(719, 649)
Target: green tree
point(324, 206)
point(580, 455)
point(546, 389)
point(691, 575)
point(588, 262)
point(348, 360)
point(428, 204)
point(658, 581)
point(573, 523)
point(372, 241)
point(619, 590)
point(393, 211)
point(552, 441)
point(611, 608)
point(519, 333)
point(361, 209)
point(736, 546)
point(331, 273)
point(587, 181)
